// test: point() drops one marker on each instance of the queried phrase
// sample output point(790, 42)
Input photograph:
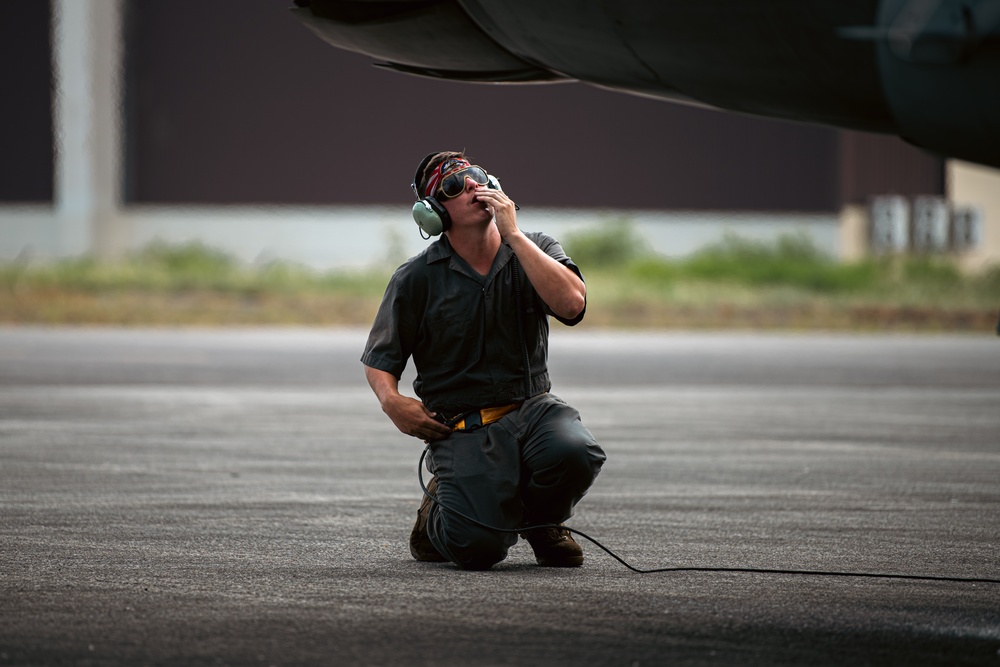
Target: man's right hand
point(412, 418)
point(408, 414)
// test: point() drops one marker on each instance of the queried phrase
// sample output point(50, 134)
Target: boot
point(420, 544)
point(554, 547)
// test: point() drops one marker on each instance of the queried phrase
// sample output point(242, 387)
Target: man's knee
point(474, 548)
point(579, 455)
point(589, 454)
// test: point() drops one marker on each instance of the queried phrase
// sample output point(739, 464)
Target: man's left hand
point(502, 209)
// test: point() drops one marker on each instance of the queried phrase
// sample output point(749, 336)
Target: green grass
point(792, 265)
point(736, 282)
point(160, 267)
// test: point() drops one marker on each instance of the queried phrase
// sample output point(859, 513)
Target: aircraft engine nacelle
point(926, 70)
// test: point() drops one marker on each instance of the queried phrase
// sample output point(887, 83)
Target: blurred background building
point(127, 121)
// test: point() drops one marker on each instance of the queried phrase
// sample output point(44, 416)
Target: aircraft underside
point(925, 70)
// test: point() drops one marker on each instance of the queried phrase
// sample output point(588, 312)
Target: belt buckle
point(483, 417)
point(472, 420)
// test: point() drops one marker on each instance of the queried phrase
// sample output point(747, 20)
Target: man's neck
point(478, 247)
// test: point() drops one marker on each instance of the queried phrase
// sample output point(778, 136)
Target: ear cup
point(431, 216)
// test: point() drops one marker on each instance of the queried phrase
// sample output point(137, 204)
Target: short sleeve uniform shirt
point(461, 328)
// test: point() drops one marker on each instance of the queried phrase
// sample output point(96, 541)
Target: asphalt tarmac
point(236, 497)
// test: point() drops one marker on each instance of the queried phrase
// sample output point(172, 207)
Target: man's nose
point(470, 183)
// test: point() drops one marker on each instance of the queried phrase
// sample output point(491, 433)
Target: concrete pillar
point(88, 117)
point(854, 233)
point(977, 186)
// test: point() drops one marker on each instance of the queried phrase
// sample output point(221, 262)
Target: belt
point(481, 417)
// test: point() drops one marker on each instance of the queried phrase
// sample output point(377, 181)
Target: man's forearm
point(558, 286)
point(385, 385)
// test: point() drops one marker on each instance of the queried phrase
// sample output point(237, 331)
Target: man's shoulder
point(540, 239)
point(418, 266)
point(549, 244)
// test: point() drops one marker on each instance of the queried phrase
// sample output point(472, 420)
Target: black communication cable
point(515, 266)
point(744, 570)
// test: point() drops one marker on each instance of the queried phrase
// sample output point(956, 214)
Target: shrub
point(613, 245)
point(792, 260)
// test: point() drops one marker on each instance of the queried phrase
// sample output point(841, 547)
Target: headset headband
point(420, 170)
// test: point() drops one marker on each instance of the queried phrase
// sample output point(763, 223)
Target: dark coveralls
point(463, 332)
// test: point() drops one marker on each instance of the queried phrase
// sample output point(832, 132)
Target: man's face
point(465, 208)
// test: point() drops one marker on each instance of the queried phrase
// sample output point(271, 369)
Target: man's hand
point(412, 418)
point(501, 207)
point(408, 414)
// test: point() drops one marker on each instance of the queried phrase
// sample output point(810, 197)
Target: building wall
point(26, 140)
point(871, 165)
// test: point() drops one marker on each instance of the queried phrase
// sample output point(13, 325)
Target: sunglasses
point(453, 184)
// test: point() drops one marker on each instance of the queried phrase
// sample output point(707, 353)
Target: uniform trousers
point(531, 467)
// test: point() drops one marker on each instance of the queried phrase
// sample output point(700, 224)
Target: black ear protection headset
point(431, 217)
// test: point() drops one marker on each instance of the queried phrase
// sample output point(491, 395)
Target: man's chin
point(482, 217)
point(473, 216)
